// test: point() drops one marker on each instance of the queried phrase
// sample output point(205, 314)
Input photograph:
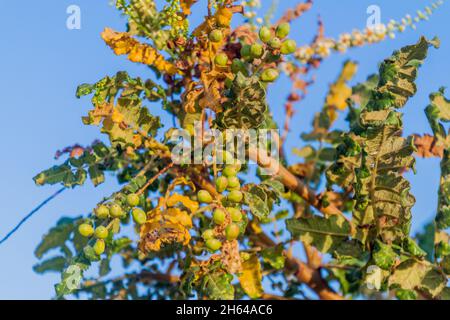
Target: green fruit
point(264, 34)
point(101, 232)
point(102, 212)
point(256, 50)
point(232, 231)
point(219, 216)
point(86, 230)
point(235, 214)
point(216, 36)
point(139, 216)
point(221, 59)
point(275, 43)
point(208, 234)
point(230, 171)
point(99, 246)
point(213, 244)
point(283, 30)
point(269, 75)
point(235, 196)
point(116, 211)
point(132, 199)
point(288, 47)
point(204, 196)
point(245, 51)
point(233, 183)
point(221, 184)
point(238, 66)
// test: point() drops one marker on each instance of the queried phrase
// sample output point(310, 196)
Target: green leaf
point(422, 275)
point(56, 264)
point(71, 278)
point(96, 175)
point(323, 233)
point(274, 257)
point(384, 256)
point(57, 236)
point(57, 174)
point(256, 199)
point(217, 286)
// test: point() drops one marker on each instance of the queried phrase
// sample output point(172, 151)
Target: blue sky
point(43, 62)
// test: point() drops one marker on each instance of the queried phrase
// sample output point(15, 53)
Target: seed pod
point(221, 59)
point(269, 75)
point(235, 214)
point(264, 34)
point(99, 246)
point(139, 216)
point(102, 212)
point(216, 35)
point(132, 199)
point(233, 183)
point(256, 50)
point(213, 244)
point(232, 232)
point(204, 196)
point(283, 30)
point(208, 234)
point(101, 232)
point(275, 43)
point(235, 196)
point(219, 216)
point(221, 184)
point(86, 230)
point(288, 47)
point(116, 211)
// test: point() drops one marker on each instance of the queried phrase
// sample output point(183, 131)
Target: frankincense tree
point(208, 224)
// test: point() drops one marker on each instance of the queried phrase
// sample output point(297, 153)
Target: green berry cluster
point(105, 213)
point(227, 217)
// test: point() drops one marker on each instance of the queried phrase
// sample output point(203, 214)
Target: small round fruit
point(230, 171)
point(283, 30)
point(216, 35)
point(232, 231)
point(132, 199)
point(264, 34)
point(221, 184)
point(219, 216)
point(288, 47)
point(208, 234)
point(256, 50)
point(235, 214)
point(204, 196)
point(116, 211)
point(102, 212)
point(238, 66)
point(221, 59)
point(139, 216)
point(269, 75)
point(245, 51)
point(213, 244)
point(235, 196)
point(101, 232)
point(275, 43)
point(99, 246)
point(86, 230)
point(233, 183)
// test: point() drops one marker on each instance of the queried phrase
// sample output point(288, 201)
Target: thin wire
point(28, 216)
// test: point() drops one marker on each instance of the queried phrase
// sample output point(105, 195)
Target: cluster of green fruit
point(273, 41)
point(228, 211)
point(115, 211)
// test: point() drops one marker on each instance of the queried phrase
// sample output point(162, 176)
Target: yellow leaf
point(186, 6)
point(123, 43)
point(251, 277)
point(176, 198)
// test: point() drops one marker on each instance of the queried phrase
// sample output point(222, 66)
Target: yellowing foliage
point(123, 43)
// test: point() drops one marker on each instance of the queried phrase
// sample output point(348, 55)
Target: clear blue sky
point(42, 62)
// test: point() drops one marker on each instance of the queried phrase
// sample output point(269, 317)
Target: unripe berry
point(101, 232)
point(275, 43)
point(208, 234)
point(221, 59)
point(288, 47)
point(221, 184)
point(139, 216)
point(230, 171)
point(264, 34)
point(256, 50)
point(235, 214)
point(132, 199)
point(232, 232)
point(213, 244)
point(204, 196)
point(86, 230)
point(283, 30)
point(116, 211)
point(102, 212)
point(245, 51)
point(219, 216)
point(99, 247)
point(235, 196)
point(270, 75)
point(216, 35)
point(233, 183)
